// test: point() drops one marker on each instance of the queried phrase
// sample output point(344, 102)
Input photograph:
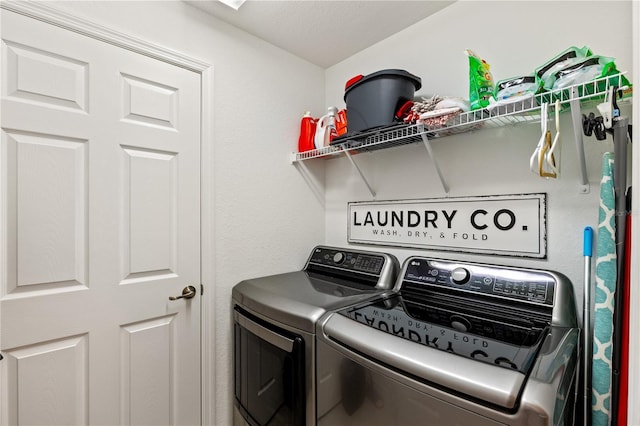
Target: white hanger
point(549, 157)
point(534, 161)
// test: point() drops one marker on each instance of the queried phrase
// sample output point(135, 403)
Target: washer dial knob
point(460, 276)
point(338, 257)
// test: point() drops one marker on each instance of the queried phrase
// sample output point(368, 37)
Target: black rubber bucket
point(373, 100)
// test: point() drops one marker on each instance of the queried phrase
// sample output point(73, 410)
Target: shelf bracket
point(315, 186)
point(355, 166)
point(576, 118)
point(427, 145)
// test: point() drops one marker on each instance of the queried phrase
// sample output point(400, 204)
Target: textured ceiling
point(323, 32)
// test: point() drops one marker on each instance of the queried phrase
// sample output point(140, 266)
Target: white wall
point(514, 38)
point(266, 217)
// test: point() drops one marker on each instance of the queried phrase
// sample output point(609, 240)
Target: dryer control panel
point(354, 267)
point(348, 260)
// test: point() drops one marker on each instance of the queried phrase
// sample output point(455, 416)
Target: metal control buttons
point(460, 276)
point(338, 257)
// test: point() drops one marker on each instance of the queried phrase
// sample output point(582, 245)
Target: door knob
point(187, 293)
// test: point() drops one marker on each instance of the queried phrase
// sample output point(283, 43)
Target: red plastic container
point(341, 122)
point(307, 132)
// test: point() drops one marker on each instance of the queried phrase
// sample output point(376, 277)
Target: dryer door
point(269, 372)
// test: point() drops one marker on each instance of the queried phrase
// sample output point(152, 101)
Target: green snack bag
point(480, 81)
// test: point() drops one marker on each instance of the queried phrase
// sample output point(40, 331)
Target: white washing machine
point(458, 344)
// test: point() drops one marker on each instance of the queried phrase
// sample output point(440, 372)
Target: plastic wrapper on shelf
point(435, 106)
point(452, 102)
point(516, 87)
point(589, 69)
point(581, 72)
point(420, 107)
point(514, 94)
point(480, 81)
point(438, 113)
point(564, 59)
point(513, 104)
point(438, 117)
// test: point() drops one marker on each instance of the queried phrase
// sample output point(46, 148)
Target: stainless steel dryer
point(275, 320)
point(459, 344)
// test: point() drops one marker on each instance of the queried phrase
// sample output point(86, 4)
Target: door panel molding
point(146, 348)
point(57, 372)
point(50, 187)
point(24, 62)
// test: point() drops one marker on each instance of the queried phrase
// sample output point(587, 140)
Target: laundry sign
point(507, 225)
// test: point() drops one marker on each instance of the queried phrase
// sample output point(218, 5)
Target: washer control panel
point(513, 283)
point(369, 263)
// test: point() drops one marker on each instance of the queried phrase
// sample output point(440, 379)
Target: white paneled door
point(100, 209)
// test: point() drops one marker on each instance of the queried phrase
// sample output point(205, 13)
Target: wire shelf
point(525, 111)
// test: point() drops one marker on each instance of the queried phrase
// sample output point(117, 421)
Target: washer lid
point(469, 349)
point(490, 383)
